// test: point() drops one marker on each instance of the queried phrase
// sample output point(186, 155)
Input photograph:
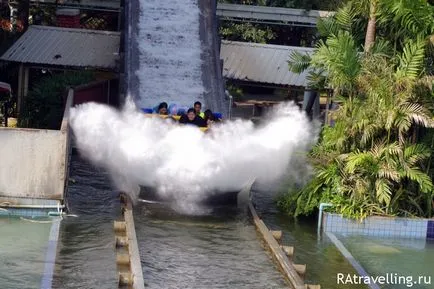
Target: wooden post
point(26, 81)
point(123, 259)
point(119, 226)
point(125, 279)
point(301, 269)
point(289, 251)
point(121, 241)
point(20, 89)
point(277, 235)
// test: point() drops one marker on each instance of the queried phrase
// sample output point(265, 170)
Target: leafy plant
point(43, 107)
point(377, 158)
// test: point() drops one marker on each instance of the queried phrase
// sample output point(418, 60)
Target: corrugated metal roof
point(270, 13)
point(262, 63)
point(66, 47)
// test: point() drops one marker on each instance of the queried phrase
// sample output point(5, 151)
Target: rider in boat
point(197, 108)
point(192, 118)
point(162, 109)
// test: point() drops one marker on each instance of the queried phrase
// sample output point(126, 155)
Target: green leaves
point(345, 17)
point(43, 107)
point(373, 160)
point(411, 61)
point(412, 16)
point(383, 191)
point(340, 58)
point(299, 62)
point(246, 32)
point(327, 26)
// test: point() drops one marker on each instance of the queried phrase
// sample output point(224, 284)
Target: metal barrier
point(127, 252)
point(282, 255)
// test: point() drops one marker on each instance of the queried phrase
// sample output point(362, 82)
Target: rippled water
point(22, 253)
point(406, 258)
point(217, 251)
point(86, 255)
point(213, 252)
point(323, 260)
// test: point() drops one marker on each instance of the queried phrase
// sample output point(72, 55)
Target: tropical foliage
point(43, 107)
point(377, 158)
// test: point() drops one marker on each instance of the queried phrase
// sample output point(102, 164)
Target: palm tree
point(371, 28)
point(369, 162)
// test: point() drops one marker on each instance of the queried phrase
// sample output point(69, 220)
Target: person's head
point(197, 107)
point(191, 114)
point(162, 108)
point(208, 114)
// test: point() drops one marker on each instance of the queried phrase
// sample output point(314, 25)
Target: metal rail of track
point(128, 263)
point(282, 255)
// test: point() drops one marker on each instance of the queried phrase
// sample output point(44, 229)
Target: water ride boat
point(211, 199)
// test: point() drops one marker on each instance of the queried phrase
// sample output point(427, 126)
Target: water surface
point(22, 252)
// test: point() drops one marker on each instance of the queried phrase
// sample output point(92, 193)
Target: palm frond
point(368, 133)
point(386, 171)
point(299, 62)
point(416, 113)
point(381, 47)
point(416, 153)
point(412, 59)
point(383, 191)
point(393, 149)
point(316, 78)
point(415, 16)
point(340, 58)
point(344, 17)
point(327, 26)
point(423, 180)
point(356, 160)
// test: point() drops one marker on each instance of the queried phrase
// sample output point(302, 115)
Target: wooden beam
point(136, 265)
point(287, 268)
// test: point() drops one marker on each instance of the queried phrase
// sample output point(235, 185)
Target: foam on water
point(183, 162)
point(170, 53)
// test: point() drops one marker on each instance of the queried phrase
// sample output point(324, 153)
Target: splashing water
point(184, 163)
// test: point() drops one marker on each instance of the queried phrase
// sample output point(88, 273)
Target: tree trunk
point(370, 30)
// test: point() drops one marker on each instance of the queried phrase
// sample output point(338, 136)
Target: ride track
point(215, 99)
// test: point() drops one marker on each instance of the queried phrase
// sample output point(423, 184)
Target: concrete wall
point(34, 162)
point(380, 226)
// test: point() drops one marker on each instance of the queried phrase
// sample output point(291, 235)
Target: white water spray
point(184, 163)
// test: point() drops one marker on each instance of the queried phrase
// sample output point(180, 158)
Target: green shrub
point(44, 104)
